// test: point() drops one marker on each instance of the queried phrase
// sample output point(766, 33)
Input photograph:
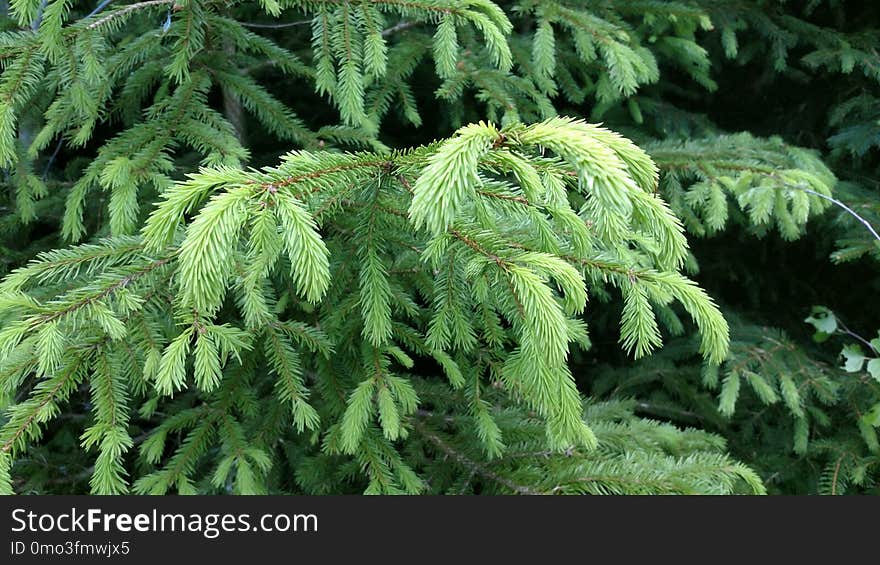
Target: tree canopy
point(439, 247)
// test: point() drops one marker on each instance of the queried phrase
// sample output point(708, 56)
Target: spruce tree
point(433, 246)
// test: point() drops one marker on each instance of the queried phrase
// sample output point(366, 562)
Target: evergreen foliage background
point(440, 246)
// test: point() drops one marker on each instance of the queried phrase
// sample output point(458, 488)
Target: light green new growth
point(771, 182)
point(503, 231)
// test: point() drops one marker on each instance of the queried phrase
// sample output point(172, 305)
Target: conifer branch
point(91, 299)
point(469, 464)
point(127, 10)
point(302, 326)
